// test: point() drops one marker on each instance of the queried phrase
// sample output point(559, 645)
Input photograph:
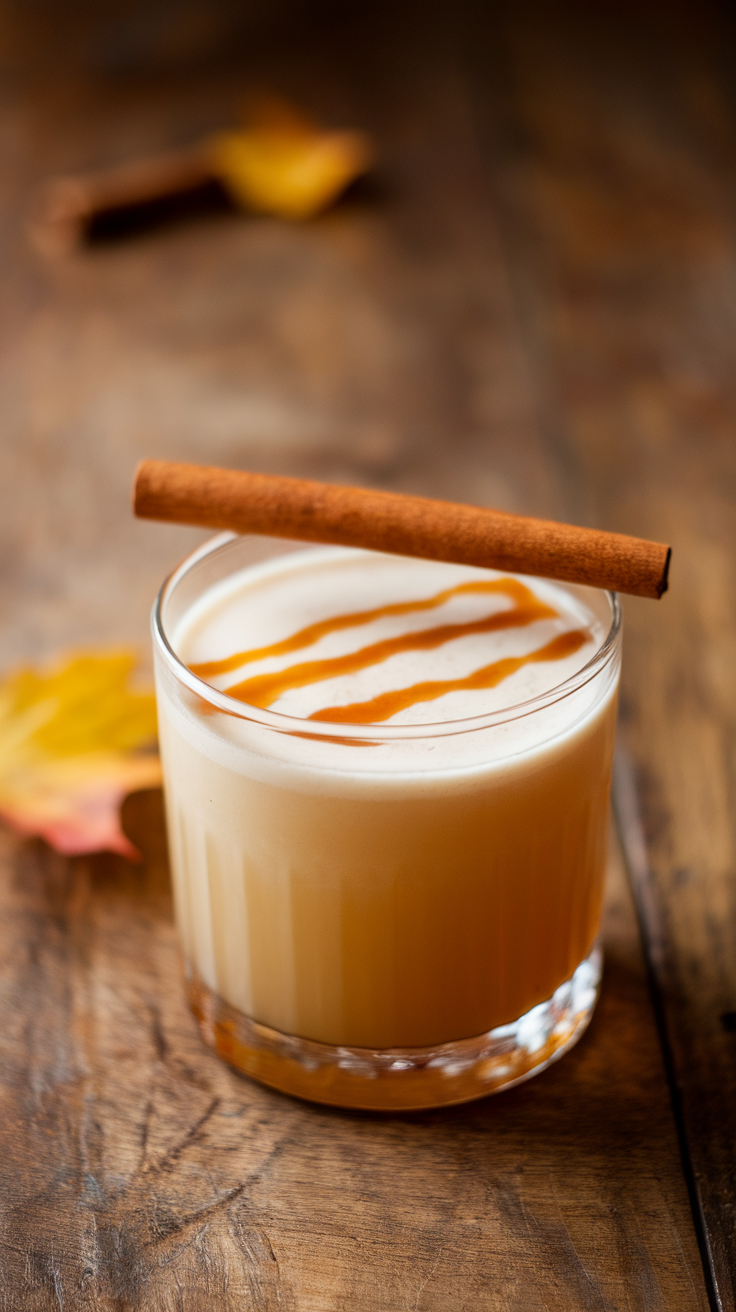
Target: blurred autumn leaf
point(72, 745)
point(282, 163)
point(279, 163)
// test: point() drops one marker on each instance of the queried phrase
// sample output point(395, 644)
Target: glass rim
point(334, 730)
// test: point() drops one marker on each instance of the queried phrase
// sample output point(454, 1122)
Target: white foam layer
point(266, 604)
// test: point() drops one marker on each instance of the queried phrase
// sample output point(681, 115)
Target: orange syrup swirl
point(264, 689)
point(306, 637)
point(489, 676)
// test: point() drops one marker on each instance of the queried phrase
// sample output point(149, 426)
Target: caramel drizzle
point(264, 689)
point(390, 703)
point(306, 637)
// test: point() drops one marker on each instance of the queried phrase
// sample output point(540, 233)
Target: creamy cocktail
point(387, 791)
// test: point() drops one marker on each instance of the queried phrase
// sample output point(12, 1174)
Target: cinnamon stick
point(401, 525)
point(282, 165)
point(67, 205)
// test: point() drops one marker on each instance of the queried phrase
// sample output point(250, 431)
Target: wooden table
point(532, 307)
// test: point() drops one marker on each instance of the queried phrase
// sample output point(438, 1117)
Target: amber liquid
point(397, 910)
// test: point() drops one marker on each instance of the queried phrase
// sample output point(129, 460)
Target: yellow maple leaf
point(72, 744)
point(284, 164)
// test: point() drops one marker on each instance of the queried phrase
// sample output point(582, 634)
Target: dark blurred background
point(541, 267)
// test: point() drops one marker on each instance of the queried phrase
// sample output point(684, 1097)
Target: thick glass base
point(402, 1079)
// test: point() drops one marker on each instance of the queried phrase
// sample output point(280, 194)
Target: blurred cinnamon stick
point(67, 206)
point(401, 525)
point(280, 163)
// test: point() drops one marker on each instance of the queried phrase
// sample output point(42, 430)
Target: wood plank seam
point(627, 817)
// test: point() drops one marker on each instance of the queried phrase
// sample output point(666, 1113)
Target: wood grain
point(138, 1171)
point(620, 227)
